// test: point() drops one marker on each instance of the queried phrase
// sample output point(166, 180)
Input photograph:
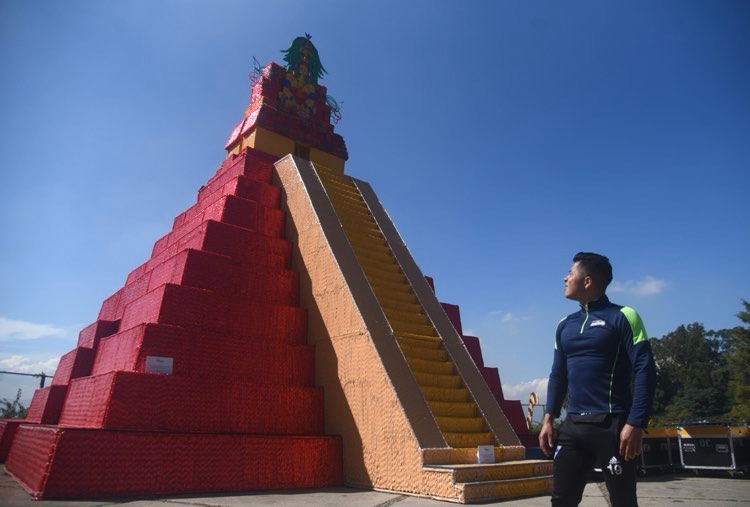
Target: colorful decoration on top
point(303, 70)
point(289, 101)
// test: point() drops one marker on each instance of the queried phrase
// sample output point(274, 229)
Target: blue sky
point(502, 137)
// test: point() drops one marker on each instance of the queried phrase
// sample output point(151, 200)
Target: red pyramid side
point(199, 362)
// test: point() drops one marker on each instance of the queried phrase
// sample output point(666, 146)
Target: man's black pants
point(587, 441)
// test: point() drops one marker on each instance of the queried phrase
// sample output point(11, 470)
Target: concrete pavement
point(683, 489)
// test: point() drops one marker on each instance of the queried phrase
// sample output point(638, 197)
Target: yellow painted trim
point(276, 144)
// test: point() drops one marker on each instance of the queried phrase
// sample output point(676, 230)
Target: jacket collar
point(597, 304)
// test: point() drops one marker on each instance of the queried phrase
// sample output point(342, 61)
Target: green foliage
point(703, 374)
point(737, 345)
point(12, 409)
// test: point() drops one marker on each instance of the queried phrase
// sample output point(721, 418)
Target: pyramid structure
point(279, 336)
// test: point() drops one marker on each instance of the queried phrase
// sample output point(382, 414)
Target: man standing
point(603, 362)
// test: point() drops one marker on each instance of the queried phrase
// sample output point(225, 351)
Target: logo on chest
point(597, 323)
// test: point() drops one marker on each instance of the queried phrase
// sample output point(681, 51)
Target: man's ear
point(588, 282)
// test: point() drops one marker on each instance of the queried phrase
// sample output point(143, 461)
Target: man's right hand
point(547, 436)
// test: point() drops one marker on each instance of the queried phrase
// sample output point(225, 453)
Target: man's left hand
point(631, 438)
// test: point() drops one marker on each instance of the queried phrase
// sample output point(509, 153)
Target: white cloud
point(647, 286)
point(12, 330)
point(23, 364)
point(504, 317)
point(522, 390)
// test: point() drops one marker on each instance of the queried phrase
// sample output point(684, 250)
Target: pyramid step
point(392, 291)
point(330, 175)
point(93, 333)
point(506, 489)
point(407, 307)
point(390, 277)
point(105, 464)
point(231, 210)
point(74, 364)
point(423, 341)
point(333, 178)
point(208, 270)
point(453, 408)
point(389, 285)
point(151, 402)
point(355, 227)
point(461, 424)
point(46, 404)
point(349, 198)
point(395, 315)
point(386, 272)
point(356, 221)
point(236, 242)
point(356, 215)
point(252, 164)
point(445, 394)
point(403, 328)
point(427, 366)
point(467, 439)
point(364, 239)
point(468, 455)
point(260, 359)
point(382, 262)
point(8, 429)
point(339, 189)
point(436, 380)
point(422, 353)
point(505, 470)
point(205, 311)
point(265, 194)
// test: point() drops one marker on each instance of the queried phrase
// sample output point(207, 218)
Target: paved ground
point(685, 490)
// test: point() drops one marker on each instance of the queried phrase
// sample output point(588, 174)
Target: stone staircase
point(452, 405)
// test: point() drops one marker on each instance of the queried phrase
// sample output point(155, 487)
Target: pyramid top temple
point(289, 112)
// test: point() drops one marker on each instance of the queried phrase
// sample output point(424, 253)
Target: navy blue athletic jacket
point(598, 350)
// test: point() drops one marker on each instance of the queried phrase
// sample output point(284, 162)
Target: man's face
point(575, 283)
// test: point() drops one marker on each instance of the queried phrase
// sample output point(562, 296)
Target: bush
point(12, 409)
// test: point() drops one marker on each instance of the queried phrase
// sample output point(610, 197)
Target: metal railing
point(42, 376)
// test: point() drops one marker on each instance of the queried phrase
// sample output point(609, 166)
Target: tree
point(12, 409)
point(737, 351)
point(692, 375)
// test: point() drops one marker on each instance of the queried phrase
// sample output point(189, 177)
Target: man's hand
point(631, 438)
point(547, 436)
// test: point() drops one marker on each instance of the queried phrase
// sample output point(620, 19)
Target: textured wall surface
point(361, 404)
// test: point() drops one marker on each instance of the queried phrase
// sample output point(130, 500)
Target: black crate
point(714, 447)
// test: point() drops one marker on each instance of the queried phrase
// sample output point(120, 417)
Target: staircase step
point(506, 470)
point(427, 366)
point(105, 464)
point(430, 354)
point(461, 424)
point(403, 328)
point(388, 295)
point(468, 455)
point(422, 341)
point(445, 394)
point(453, 408)
point(465, 439)
point(434, 380)
point(506, 489)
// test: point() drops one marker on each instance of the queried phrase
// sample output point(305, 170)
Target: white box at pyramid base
point(157, 364)
point(485, 454)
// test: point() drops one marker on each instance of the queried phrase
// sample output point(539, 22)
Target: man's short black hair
point(596, 266)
